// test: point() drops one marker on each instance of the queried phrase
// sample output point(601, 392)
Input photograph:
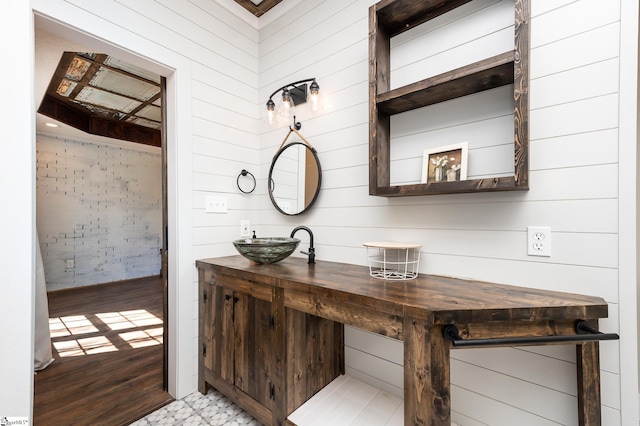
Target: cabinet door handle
point(272, 322)
point(227, 297)
point(204, 296)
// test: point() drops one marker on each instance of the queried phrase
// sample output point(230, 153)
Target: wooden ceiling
point(258, 8)
point(104, 96)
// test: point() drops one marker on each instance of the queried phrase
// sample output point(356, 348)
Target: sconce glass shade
point(287, 108)
point(271, 112)
point(313, 102)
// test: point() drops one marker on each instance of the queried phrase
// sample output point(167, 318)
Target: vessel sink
point(266, 250)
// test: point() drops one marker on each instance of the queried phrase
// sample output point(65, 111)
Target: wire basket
point(393, 261)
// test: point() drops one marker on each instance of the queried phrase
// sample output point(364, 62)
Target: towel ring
point(245, 173)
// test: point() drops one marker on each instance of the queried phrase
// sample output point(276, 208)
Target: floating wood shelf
point(484, 75)
point(392, 17)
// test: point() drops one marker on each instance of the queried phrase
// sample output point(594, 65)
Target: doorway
point(106, 191)
point(118, 42)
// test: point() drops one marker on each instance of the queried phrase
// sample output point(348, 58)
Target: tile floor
point(199, 410)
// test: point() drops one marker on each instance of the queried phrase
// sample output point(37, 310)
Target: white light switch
point(215, 204)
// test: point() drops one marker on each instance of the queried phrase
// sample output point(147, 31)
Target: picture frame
point(445, 163)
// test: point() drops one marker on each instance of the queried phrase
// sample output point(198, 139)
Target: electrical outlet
point(245, 225)
point(70, 264)
point(215, 204)
point(539, 241)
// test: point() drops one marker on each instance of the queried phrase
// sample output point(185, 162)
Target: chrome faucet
point(312, 251)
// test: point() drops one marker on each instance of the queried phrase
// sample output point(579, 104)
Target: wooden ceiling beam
point(51, 107)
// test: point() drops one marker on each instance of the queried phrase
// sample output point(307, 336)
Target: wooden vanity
point(271, 336)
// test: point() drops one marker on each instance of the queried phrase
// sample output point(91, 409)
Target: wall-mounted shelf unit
point(389, 18)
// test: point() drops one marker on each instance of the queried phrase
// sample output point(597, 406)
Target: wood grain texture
point(114, 388)
point(451, 300)
point(521, 93)
point(589, 398)
point(426, 374)
point(267, 359)
point(483, 75)
point(398, 16)
point(390, 17)
point(379, 123)
point(258, 9)
point(313, 356)
point(346, 293)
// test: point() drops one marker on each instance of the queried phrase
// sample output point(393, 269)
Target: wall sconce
point(294, 94)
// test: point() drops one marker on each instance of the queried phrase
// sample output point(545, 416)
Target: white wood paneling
point(577, 50)
point(217, 20)
point(200, 29)
point(468, 34)
point(581, 149)
point(599, 113)
point(573, 182)
point(598, 79)
point(566, 12)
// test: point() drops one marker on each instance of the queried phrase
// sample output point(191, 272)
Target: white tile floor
point(199, 410)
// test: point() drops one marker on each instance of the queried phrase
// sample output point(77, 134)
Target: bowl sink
point(266, 250)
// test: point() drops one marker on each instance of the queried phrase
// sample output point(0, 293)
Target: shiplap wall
point(574, 147)
point(99, 206)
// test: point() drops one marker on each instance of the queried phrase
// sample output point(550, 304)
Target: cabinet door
point(225, 342)
point(218, 332)
point(253, 351)
point(208, 327)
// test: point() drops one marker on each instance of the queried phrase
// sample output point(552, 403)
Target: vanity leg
point(426, 374)
point(588, 365)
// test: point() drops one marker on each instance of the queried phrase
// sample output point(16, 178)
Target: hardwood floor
point(108, 355)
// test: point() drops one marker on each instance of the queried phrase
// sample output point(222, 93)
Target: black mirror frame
point(271, 183)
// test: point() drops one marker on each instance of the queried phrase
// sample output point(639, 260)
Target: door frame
point(67, 21)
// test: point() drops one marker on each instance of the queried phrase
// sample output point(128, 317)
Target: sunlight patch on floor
point(71, 325)
point(87, 346)
point(129, 319)
point(143, 338)
point(140, 328)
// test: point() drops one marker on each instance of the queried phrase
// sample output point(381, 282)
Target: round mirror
point(294, 178)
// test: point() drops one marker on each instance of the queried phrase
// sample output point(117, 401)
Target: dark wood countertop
point(449, 300)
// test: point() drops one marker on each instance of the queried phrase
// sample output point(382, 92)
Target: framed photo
point(445, 163)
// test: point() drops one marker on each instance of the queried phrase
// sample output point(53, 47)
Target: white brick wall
point(99, 206)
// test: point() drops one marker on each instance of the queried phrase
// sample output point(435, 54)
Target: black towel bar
point(585, 334)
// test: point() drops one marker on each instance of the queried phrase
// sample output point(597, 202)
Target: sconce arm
point(292, 85)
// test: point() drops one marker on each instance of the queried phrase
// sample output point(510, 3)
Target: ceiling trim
point(258, 9)
point(275, 12)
